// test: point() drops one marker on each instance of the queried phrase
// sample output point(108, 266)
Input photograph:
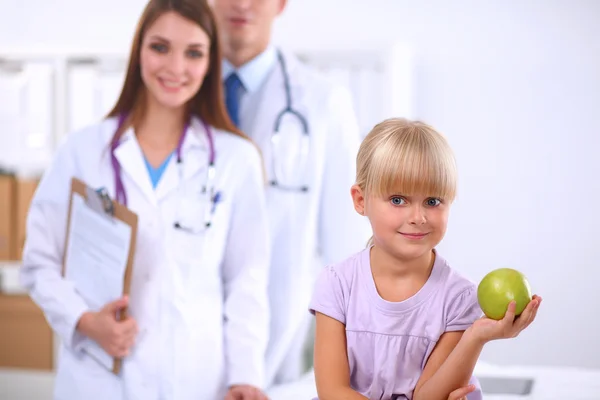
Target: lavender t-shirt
point(389, 343)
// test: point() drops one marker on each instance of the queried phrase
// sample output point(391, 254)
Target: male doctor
point(309, 154)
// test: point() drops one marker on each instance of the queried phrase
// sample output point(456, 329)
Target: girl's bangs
point(412, 173)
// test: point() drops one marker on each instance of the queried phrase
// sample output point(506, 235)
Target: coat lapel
point(194, 156)
point(194, 159)
point(131, 159)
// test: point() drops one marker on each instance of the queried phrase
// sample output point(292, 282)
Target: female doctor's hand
point(245, 392)
point(114, 336)
point(485, 329)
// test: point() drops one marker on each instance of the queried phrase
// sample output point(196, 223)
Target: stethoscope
point(211, 198)
point(275, 137)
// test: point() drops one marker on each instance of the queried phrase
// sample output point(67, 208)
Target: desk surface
point(551, 383)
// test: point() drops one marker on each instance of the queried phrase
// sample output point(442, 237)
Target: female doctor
point(198, 309)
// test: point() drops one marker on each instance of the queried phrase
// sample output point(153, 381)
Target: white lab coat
point(309, 229)
point(199, 299)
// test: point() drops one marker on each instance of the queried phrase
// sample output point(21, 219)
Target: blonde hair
point(406, 157)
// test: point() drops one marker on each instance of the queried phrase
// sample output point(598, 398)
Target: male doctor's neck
point(246, 27)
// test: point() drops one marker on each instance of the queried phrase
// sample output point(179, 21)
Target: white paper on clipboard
point(96, 259)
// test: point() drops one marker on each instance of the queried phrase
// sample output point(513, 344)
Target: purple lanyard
point(120, 194)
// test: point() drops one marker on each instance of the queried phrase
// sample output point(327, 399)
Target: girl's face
point(407, 227)
point(174, 59)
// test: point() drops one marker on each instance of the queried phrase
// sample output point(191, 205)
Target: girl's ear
point(358, 199)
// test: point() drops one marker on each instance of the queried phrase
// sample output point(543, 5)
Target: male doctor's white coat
point(308, 229)
point(199, 299)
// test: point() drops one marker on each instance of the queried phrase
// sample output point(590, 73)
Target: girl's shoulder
point(451, 281)
point(348, 270)
point(458, 295)
point(334, 286)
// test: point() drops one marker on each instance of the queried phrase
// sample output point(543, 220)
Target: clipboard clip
point(100, 201)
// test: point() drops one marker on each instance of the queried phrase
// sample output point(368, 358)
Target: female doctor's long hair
point(208, 103)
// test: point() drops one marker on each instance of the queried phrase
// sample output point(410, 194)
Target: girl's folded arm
point(449, 367)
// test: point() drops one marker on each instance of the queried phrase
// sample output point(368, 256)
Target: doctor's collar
point(254, 72)
point(196, 136)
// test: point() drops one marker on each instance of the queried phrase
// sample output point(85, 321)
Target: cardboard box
point(26, 340)
point(7, 217)
point(24, 191)
point(15, 199)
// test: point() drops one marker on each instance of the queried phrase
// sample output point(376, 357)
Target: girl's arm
point(453, 360)
point(332, 372)
point(449, 367)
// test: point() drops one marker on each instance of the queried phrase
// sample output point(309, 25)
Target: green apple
point(498, 288)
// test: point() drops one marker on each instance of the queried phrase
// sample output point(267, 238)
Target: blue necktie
point(233, 86)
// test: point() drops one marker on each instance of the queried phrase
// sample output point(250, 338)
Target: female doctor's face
point(174, 59)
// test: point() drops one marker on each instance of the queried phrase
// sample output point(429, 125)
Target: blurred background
point(515, 85)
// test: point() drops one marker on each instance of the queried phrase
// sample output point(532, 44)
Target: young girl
point(197, 323)
point(395, 321)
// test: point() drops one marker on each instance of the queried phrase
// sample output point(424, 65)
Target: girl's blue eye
point(432, 202)
point(397, 201)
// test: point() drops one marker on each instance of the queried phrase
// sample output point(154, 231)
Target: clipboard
point(101, 204)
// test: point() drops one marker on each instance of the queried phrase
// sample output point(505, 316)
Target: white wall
point(516, 87)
